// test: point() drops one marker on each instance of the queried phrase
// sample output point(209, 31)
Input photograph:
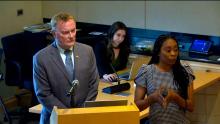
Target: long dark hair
point(181, 78)
point(124, 46)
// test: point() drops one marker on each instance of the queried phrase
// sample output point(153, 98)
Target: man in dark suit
point(51, 78)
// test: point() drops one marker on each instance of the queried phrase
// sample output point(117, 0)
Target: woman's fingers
point(111, 77)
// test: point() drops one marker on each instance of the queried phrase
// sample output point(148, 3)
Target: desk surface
point(203, 79)
point(128, 95)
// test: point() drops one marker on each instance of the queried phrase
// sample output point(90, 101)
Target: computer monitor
point(200, 46)
point(105, 103)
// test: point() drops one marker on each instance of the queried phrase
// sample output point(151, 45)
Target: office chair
point(13, 48)
point(5, 111)
point(19, 49)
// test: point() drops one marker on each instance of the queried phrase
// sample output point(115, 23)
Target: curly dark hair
point(181, 77)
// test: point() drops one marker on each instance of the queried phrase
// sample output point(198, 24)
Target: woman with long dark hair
point(167, 83)
point(114, 51)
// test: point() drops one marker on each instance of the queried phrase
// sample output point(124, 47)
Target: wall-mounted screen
point(141, 45)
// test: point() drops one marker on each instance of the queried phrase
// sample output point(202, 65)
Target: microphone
point(116, 88)
point(164, 93)
point(71, 91)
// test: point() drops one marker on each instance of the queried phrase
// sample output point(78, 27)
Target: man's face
point(65, 33)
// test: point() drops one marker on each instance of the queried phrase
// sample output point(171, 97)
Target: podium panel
point(127, 114)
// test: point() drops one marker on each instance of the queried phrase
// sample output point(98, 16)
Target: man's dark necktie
point(70, 70)
point(69, 64)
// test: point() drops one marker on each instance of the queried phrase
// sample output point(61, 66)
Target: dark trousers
point(145, 121)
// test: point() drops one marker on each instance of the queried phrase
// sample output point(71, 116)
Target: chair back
point(14, 58)
point(136, 65)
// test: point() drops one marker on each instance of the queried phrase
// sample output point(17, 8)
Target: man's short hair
point(62, 16)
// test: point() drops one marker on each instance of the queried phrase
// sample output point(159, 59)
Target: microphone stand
point(72, 100)
point(118, 80)
point(71, 92)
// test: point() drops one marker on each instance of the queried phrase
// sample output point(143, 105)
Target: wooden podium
point(124, 114)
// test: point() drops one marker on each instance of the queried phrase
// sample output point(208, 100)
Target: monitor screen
point(105, 103)
point(200, 46)
point(141, 45)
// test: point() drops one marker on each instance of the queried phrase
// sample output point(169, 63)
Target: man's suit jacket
point(51, 81)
